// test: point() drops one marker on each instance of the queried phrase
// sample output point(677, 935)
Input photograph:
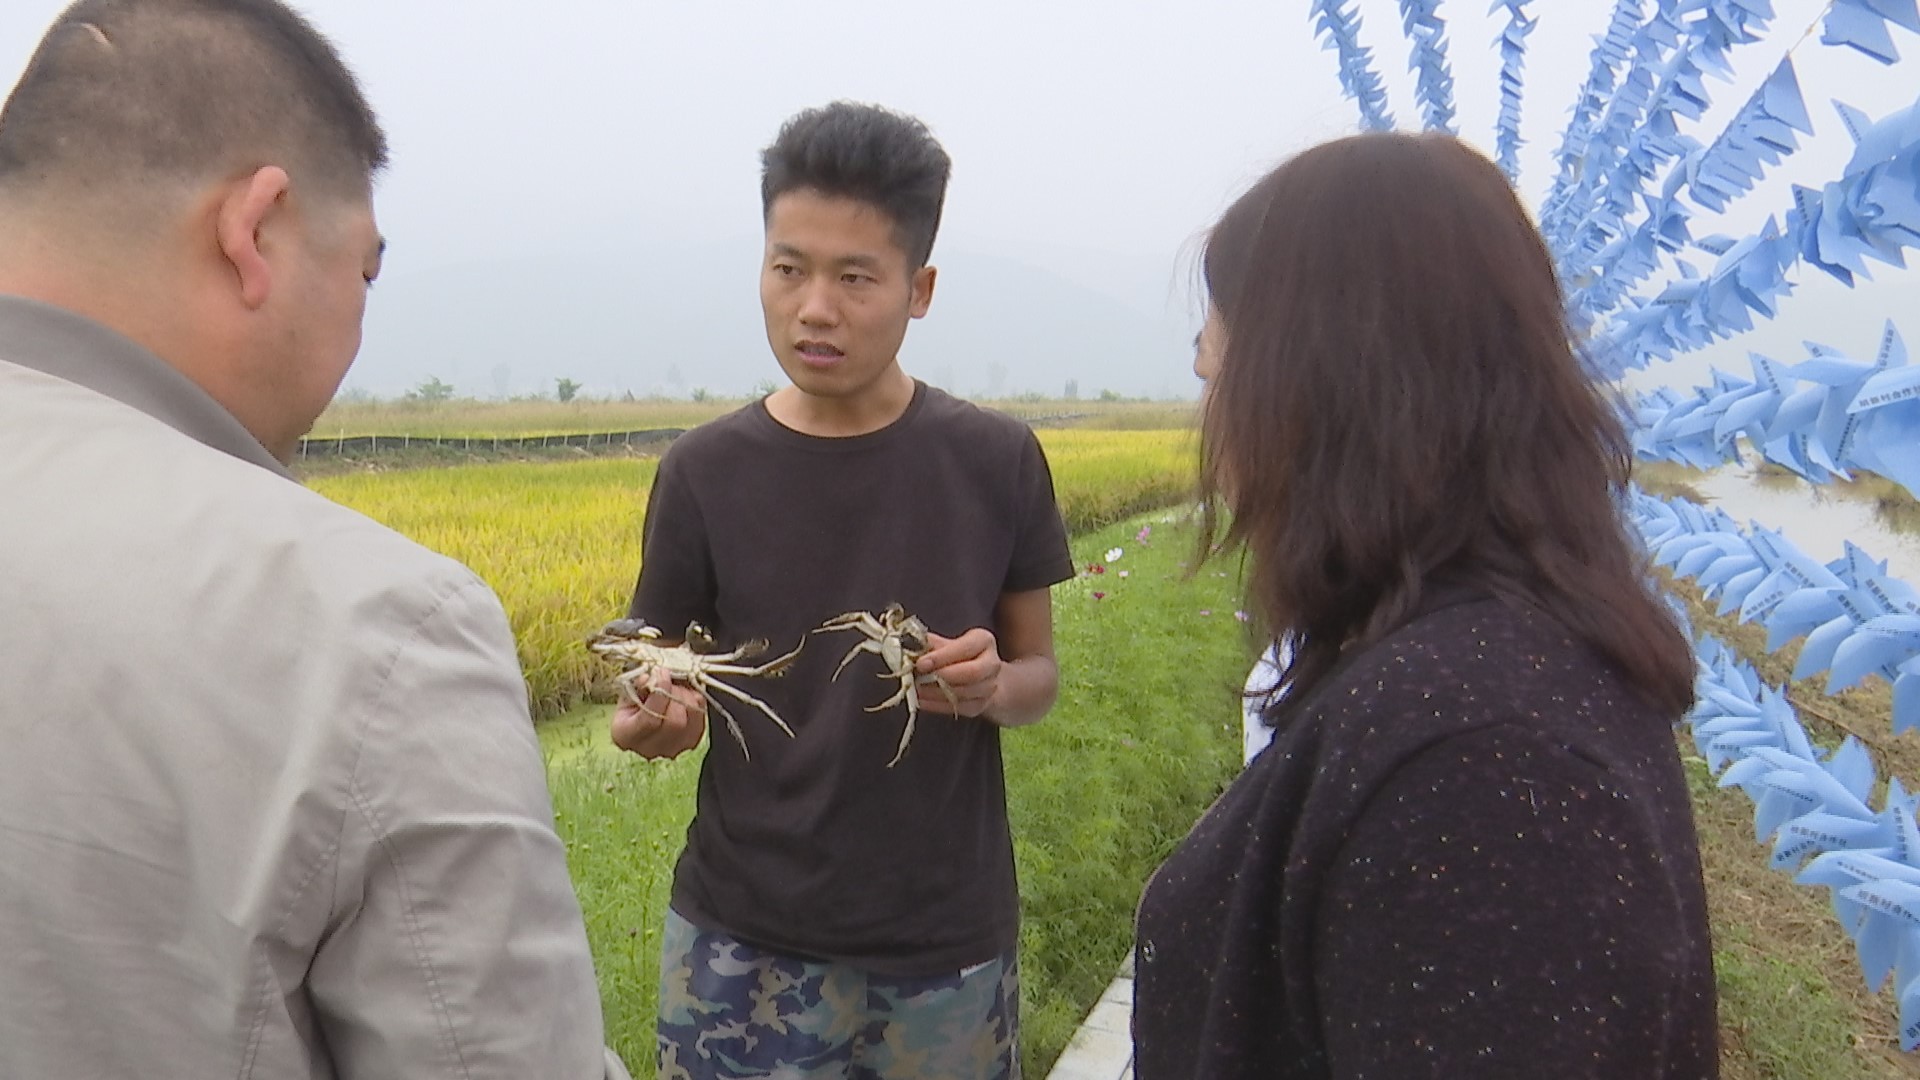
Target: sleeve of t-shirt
point(1040, 554)
point(1499, 910)
point(676, 583)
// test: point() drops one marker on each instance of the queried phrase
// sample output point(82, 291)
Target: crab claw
point(699, 638)
point(625, 628)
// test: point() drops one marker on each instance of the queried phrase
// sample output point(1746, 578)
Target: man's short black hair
point(864, 152)
point(128, 92)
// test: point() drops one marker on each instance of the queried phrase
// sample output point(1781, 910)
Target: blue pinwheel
point(1790, 572)
point(1862, 25)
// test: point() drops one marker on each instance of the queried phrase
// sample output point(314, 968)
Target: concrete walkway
point(1103, 1047)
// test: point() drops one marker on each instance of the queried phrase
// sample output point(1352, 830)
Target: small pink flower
point(1141, 536)
point(1124, 573)
point(1243, 616)
point(1206, 611)
point(1099, 596)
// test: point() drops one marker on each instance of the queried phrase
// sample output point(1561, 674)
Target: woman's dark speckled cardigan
point(1470, 853)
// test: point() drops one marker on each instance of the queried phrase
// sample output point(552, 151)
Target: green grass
point(1145, 735)
point(624, 821)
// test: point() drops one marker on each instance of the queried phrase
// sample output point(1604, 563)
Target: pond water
point(1818, 522)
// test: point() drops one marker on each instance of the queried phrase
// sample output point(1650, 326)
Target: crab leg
point(848, 621)
point(865, 646)
point(904, 694)
point(905, 679)
point(854, 620)
point(710, 685)
point(936, 680)
point(908, 683)
point(733, 726)
point(773, 668)
point(627, 679)
point(906, 736)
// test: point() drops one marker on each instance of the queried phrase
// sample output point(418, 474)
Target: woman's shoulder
point(1481, 664)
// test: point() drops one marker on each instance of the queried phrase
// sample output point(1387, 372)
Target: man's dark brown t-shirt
point(814, 847)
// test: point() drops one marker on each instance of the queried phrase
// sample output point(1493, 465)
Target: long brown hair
point(1398, 398)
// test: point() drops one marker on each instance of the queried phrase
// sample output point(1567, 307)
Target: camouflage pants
point(729, 1011)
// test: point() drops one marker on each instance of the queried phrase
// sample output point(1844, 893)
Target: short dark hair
point(132, 91)
point(885, 159)
point(1399, 403)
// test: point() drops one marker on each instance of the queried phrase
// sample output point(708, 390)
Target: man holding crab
point(846, 903)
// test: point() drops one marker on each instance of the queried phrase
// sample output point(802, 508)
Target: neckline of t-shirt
point(841, 444)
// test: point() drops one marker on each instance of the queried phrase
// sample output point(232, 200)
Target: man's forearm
point(1027, 690)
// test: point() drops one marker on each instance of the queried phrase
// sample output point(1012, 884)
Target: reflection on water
point(1818, 522)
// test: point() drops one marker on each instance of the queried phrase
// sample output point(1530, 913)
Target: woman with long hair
point(1468, 851)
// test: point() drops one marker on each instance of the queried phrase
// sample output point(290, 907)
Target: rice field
point(560, 542)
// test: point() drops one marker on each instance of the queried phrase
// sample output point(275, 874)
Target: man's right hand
point(668, 721)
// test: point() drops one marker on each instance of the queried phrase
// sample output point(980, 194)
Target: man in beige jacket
point(271, 804)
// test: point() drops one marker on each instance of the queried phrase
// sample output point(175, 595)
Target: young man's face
point(837, 293)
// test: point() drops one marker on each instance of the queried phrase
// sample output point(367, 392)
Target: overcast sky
point(1092, 141)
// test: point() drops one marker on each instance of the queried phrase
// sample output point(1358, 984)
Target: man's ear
point(241, 219)
point(923, 280)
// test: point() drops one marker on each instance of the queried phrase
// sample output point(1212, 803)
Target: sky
point(574, 187)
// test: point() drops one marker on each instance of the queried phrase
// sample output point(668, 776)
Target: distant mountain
point(670, 321)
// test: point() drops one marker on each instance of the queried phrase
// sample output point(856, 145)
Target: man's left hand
point(970, 665)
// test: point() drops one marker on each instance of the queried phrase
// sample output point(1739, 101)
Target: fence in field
point(387, 444)
point(1630, 180)
point(368, 445)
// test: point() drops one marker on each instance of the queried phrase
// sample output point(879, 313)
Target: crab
point(898, 639)
point(636, 647)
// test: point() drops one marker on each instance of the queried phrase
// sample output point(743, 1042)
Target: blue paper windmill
point(1628, 189)
point(1805, 596)
point(1821, 418)
point(1862, 25)
point(1887, 412)
point(1815, 809)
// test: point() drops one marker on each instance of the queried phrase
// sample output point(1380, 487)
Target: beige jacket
point(271, 804)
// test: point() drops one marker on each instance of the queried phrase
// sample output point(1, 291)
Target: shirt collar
point(57, 342)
